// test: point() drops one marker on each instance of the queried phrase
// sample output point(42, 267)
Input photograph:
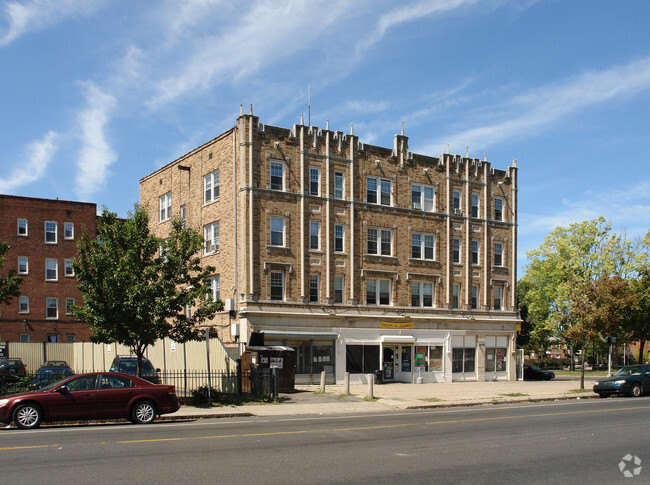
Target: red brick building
point(42, 235)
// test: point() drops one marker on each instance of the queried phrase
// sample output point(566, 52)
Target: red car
point(97, 395)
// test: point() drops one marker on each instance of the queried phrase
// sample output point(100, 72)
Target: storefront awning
point(397, 339)
point(299, 334)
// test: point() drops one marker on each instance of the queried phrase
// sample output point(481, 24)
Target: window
point(211, 238)
point(361, 359)
point(183, 213)
point(378, 291)
point(277, 176)
point(498, 209)
point(277, 231)
point(214, 283)
point(51, 308)
point(211, 187)
point(339, 184)
point(314, 290)
point(498, 254)
point(22, 227)
point(339, 283)
point(277, 286)
point(456, 202)
point(423, 246)
point(165, 206)
point(474, 302)
point(314, 235)
point(339, 234)
point(69, 303)
point(382, 236)
point(373, 185)
point(69, 270)
point(495, 359)
point(23, 304)
point(455, 296)
point(314, 181)
point(24, 338)
point(498, 294)
point(70, 338)
point(421, 294)
point(50, 232)
point(475, 248)
point(23, 265)
point(51, 270)
point(475, 200)
point(456, 250)
point(422, 197)
point(68, 230)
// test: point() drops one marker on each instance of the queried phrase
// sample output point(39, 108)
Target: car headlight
point(620, 381)
point(595, 383)
point(3, 402)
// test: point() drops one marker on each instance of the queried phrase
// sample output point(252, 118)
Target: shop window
point(428, 358)
point(361, 359)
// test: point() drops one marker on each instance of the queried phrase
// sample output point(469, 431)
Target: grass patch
point(590, 373)
point(369, 399)
point(343, 396)
point(430, 399)
point(580, 391)
point(515, 394)
point(319, 392)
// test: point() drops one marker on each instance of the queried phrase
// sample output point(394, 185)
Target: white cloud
point(38, 14)
point(96, 155)
point(526, 114)
point(39, 154)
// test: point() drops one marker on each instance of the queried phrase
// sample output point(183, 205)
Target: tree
point(137, 287)
point(10, 285)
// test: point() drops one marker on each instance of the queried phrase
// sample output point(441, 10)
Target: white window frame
point(314, 235)
point(68, 304)
point(277, 164)
point(339, 235)
point(427, 243)
point(214, 292)
point(379, 192)
point(475, 297)
point(54, 231)
point(455, 295)
point(476, 251)
point(424, 203)
point(211, 243)
point(497, 296)
point(282, 231)
point(48, 263)
point(374, 285)
point(211, 187)
point(314, 288)
point(26, 261)
point(48, 307)
point(68, 227)
point(314, 180)
point(498, 209)
point(183, 214)
point(421, 289)
point(339, 185)
point(457, 197)
point(339, 288)
point(280, 275)
point(379, 235)
point(498, 253)
point(165, 205)
point(23, 301)
point(68, 270)
point(26, 226)
point(456, 250)
point(476, 205)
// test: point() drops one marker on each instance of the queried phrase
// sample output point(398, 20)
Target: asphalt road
point(562, 442)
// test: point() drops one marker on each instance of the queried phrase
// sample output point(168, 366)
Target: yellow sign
point(518, 327)
point(396, 325)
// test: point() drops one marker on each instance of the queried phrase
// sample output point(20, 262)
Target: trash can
point(379, 376)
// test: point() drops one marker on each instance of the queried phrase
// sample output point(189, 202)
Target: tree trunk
point(641, 346)
point(582, 370)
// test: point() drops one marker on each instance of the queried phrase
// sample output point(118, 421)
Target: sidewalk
point(396, 396)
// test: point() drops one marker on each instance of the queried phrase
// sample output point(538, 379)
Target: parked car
point(534, 373)
point(129, 365)
point(112, 395)
point(633, 380)
point(47, 374)
point(11, 370)
point(55, 363)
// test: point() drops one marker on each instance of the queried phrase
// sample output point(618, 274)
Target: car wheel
point(602, 395)
point(28, 416)
point(636, 390)
point(144, 412)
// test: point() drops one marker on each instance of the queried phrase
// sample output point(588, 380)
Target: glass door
point(389, 363)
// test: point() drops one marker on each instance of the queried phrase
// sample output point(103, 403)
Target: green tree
point(137, 287)
point(9, 285)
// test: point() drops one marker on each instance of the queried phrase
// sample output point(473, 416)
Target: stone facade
point(361, 257)
point(40, 256)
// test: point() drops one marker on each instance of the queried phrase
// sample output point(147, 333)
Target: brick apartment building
point(42, 234)
point(359, 257)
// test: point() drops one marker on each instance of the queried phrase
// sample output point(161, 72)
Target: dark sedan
point(633, 380)
point(534, 373)
point(47, 374)
point(97, 395)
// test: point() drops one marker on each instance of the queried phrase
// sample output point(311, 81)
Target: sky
point(97, 94)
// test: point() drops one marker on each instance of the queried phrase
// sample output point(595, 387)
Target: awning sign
point(396, 325)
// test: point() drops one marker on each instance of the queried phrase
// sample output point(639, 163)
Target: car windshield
point(130, 366)
point(629, 371)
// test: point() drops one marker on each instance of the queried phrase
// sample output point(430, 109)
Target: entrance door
point(390, 358)
point(406, 354)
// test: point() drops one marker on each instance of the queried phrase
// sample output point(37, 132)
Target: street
point(560, 442)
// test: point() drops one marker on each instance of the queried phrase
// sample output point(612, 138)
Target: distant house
point(42, 234)
point(364, 259)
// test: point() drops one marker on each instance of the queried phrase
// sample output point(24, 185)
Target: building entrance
point(390, 363)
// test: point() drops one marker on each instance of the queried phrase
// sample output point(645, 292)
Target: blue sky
point(97, 94)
